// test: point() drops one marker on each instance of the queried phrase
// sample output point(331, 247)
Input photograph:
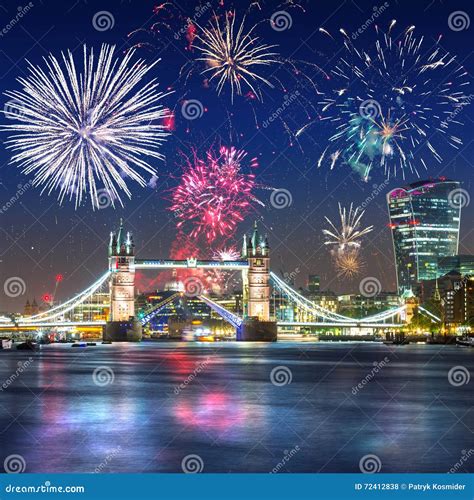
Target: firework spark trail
point(226, 254)
point(82, 130)
point(233, 54)
point(214, 195)
point(349, 234)
point(348, 264)
point(389, 107)
point(346, 240)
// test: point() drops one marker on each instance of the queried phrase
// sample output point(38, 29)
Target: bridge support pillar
point(257, 325)
point(123, 331)
point(254, 330)
point(122, 325)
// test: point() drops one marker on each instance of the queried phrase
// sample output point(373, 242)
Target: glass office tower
point(425, 226)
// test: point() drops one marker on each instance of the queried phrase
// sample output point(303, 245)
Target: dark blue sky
point(39, 238)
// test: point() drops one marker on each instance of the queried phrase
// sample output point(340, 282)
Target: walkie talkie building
point(424, 219)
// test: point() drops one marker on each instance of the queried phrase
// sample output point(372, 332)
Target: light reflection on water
point(169, 400)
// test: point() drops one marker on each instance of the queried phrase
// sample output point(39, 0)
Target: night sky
point(40, 238)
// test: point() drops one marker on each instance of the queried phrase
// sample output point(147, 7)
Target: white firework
point(348, 235)
point(226, 254)
point(86, 129)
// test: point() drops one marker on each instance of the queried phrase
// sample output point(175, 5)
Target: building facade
point(425, 226)
point(256, 286)
point(122, 281)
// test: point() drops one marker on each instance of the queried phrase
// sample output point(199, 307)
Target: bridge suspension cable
point(233, 319)
point(319, 311)
point(67, 306)
point(158, 307)
point(305, 303)
point(430, 314)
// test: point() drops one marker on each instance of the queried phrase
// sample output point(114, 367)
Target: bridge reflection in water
point(160, 402)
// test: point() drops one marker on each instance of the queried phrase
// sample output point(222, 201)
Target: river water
point(240, 407)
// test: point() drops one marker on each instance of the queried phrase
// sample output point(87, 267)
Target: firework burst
point(233, 55)
point(348, 264)
point(214, 195)
point(83, 130)
point(346, 237)
point(226, 254)
point(345, 240)
point(391, 107)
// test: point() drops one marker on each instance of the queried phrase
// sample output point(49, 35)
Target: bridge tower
point(122, 324)
point(256, 290)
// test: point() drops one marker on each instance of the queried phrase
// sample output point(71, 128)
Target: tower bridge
point(256, 322)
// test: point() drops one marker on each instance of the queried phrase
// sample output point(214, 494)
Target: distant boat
point(27, 346)
point(6, 344)
point(465, 342)
point(79, 344)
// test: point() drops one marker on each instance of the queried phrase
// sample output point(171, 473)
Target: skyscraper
point(425, 226)
point(314, 283)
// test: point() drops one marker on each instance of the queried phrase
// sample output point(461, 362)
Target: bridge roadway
point(25, 326)
point(191, 264)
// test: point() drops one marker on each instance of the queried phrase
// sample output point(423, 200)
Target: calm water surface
point(149, 406)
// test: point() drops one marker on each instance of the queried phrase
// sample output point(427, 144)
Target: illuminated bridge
point(257, 282)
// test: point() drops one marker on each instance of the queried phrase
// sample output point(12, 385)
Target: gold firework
point(232, 55)
point(348, 265)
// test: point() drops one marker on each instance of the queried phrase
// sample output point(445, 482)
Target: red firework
point(214, 195)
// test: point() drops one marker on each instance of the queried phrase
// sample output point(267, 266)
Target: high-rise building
point(425, 226)
point(314, 283)
point(462, 264)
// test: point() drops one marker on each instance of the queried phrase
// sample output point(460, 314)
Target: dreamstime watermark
point(457, 110)
point(459, 20)
point(103, 375)
point(107, 460)
point(22, 188)
point(14, 464)
point(281, 198)
point(376, 191)
point(458, 376)
point(458, 198)
point(21, 12)
point(288, 455)
point(192, 464)
point(465, 456)
point(370, 109)
point(288, 100)
point(193, 286)
point(13, 110)
point(281, 375)
point(105, 198)
point(370, 464)
point(192, 109)
point(458, 285)
point(22, 366)
point(14, 287)
point(103, 20)
point(281, 20)
point(200, 11)
point(370, 287)
point(290, 277)
point(199, 368)
point(378, 365)
point(377, 11)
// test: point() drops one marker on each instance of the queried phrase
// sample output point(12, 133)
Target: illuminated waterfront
point(150, 405)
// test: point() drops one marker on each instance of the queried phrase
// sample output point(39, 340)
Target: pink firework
point(214, 195)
